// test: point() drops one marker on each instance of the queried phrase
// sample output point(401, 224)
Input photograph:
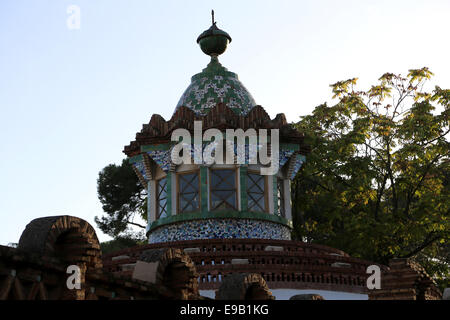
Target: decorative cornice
point(140, 177)
point(148, 167)
point(159, 131)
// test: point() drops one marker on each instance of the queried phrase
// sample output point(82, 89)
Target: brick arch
point(244, 286)
point(175, 271)
point(70, 239)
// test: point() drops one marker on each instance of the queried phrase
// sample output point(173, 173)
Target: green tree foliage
point(120, 242)
point(376, 183)
point(123, 199)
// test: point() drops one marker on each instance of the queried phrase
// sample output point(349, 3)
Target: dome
point(213, 85)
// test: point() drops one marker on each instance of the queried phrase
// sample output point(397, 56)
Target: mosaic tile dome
point(213, 85)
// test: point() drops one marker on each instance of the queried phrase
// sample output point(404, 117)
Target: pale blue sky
point(71, 99)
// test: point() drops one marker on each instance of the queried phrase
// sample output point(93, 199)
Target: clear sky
point(70, 100)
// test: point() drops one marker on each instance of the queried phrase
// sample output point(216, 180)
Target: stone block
point(239, 261)
point(273, 248)
point(128, 266)
point(341, 265)
point(335, 254)
point(446, 295)
point(123, 257)
point(145, 271)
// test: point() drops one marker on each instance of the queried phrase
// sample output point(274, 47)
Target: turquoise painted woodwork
point(150, 195)
point(275, 194)
point(243, 182)
point(169, 194)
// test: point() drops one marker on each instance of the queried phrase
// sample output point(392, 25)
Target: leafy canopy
point(123, 199)
point(376, 183)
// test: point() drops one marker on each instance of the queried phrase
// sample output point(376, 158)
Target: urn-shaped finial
point(213, 41)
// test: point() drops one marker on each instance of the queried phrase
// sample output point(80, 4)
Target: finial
point(213, 41)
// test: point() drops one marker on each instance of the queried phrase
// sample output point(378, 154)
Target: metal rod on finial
point(212, 16)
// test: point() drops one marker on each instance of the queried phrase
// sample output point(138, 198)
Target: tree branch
point(136, 224)
point(427, 242)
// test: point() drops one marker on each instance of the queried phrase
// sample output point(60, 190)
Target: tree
point(123, 199)
point(376, 183)
point(121, 242)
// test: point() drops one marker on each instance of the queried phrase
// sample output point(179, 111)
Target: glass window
point(280, 197)
point(161, 198)
point(223, 189)
point(188, 192)
point(256, 195)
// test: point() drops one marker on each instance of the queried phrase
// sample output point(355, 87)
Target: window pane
point(188, 196)
point(161, 198)
point(162, 188)
point(223, 189)
point(189, 202)
point(162, 206)
point(256, 192)
point(189, 182)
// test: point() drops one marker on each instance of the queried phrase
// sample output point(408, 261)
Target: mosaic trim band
point(162, 159)
point(220, 229)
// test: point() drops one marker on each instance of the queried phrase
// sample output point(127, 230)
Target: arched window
point(256, 192)
point(188, 192)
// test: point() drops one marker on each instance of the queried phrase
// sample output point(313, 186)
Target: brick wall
point(405, 280)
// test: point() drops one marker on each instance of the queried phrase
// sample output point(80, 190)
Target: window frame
point(266, 189)
point(157, 194)
point(281, 194)
point(179, 174)
point(235, 171)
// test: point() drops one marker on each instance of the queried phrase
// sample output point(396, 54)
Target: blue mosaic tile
point(220, 229)
point(298, 164)
point(161, 157)
point(141, 168)
point(284, 156)
point(248, 158)
point(196, 148)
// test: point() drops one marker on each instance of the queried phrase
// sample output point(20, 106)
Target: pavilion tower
point(193, 201)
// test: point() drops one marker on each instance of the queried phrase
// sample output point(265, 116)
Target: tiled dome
point(213, 85)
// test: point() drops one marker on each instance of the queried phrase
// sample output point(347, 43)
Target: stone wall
point(282, 264)
point(37, 269)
